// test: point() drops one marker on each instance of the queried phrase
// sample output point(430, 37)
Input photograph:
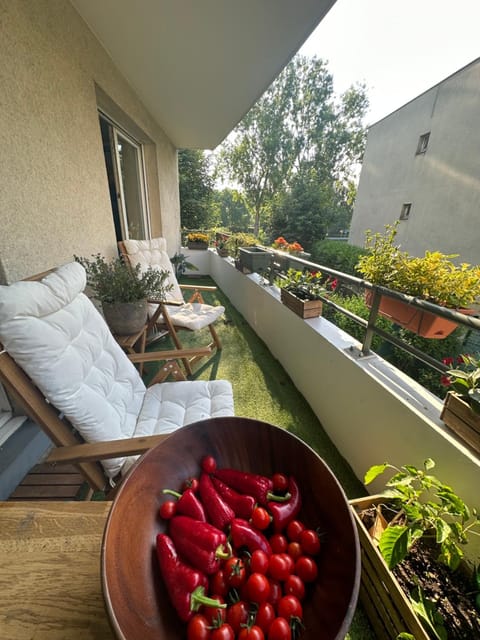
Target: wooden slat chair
point(60, 361)
point(174, 313)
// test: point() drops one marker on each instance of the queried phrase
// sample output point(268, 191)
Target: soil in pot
point(454, 592)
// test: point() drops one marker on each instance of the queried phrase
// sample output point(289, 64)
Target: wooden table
point(134, 343)
point(50, 585)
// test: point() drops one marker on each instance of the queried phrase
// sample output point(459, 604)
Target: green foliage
point(433, 277)
point(466, 381)
point(231, 210)
point(237, 240)
point(428, 614)
point(115, 281)
point(340, 256)
point(181, 264)
point(196, 189)
point(297, 128)
point(426, 508)
point(306, 285)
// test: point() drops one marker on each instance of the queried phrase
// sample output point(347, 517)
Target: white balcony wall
point(372, 412)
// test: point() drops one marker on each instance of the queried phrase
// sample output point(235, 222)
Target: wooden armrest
point(178, 354)
point(172, 303)
point(193, 287)
point(91, 451)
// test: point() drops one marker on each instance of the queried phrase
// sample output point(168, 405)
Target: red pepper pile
point(236, 559)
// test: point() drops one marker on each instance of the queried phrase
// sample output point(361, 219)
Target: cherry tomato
point(208, 464)
point(258, 587)
point(275, 592)
point(218, 583)
point(289, 606)
point(191, 483)
point(224, 632)
point(260, 518)
point(280, 482)
point(265, 616)
point(294, 585)
point(306, 568)
point(259, 562)
point(278, 542)
point(310, 542)
point(215, 615)
point(235, 572)
point(294, 550)
point(294, 529)
point(168, 509)
point(280, 630)
point(251, 633)
point(237, 614)
point(280, 566)
point(198, 628)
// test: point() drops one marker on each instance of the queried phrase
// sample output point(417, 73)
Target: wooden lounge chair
point(174, 313)
point(62, 364)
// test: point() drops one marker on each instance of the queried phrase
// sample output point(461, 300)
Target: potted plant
point(123, 291)
point(301, 292)
point(292, 249)
point(433, 277)
point(221, 246)
point(235, 242)
point(197, 240)
point(461, 408)
point(415, 582)
point(181, 264)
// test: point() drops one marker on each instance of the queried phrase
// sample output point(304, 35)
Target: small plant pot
point(125, 318)
point(303, 308)
point(197, 246)
point(462, 420)
point(223, 253)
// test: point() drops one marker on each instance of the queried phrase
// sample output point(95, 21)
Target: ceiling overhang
point(199, 65)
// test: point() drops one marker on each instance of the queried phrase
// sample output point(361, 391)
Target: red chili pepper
point(188, 504)
point(186, 587)
point(284, 513)
point(244, 535)
point(252, 484)
point(242, 504)
point(201, 544)
point(219, 513)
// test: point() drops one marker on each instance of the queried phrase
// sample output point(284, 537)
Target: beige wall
point(54, 199)
point(442, 184)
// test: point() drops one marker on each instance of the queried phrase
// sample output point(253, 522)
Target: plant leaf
point(429, 464)
point(442, 530)
point(374, 472)
point(429, 616)
point(394, 544)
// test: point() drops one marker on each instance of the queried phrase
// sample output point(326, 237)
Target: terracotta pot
point(125, 318)
point(303, 308)
point(462, 420)
point(423, 323)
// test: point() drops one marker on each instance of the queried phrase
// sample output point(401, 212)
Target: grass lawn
point(263, 390)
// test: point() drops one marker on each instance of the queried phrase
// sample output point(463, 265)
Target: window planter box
point(462, 420)
point(254, 259)
point(303, 308)
point(423, 323)
point(197, 245)
point(386, 605)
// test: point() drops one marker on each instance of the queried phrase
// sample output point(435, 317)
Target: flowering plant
point(197, 237)
point(291, 247)
point(306, 285)
point(466, 380)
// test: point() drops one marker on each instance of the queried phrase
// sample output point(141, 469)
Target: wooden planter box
point(303, 308)
point(384, 602)
point(462, 420)
point(254, 259)
point(423, 323)
point(197, 245)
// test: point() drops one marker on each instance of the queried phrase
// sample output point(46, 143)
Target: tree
point(297, 127)
point(196, 189)
point(231, 210)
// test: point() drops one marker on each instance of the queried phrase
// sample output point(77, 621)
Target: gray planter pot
point(255, 258)
point(125, 318)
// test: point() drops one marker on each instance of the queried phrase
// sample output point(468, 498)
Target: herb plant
point(466, 381)
point(306, 285)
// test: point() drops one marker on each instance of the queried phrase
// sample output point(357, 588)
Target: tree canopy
point(196, 189)
point(294, 154)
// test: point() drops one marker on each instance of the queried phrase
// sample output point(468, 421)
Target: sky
point(398, 49)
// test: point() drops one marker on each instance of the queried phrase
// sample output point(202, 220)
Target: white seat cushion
point(193, 315)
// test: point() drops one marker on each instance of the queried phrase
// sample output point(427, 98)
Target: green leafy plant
point(181, 264)
point(237, 240)
point(427, 508)
point(114, 281)
point(466, 381)
point(306, 285)
point(433, 277)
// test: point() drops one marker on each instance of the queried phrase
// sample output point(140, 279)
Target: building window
point(405, 212)
point(423, 142)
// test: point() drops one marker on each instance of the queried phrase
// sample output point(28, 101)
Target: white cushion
point(194, 316)
point(62, 342)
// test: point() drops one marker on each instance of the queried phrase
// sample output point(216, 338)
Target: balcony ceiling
point(199, 65)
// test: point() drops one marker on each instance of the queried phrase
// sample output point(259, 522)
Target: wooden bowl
point(136, 599)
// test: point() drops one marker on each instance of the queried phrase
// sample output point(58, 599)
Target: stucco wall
point(442, 184)
point(54, 199)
